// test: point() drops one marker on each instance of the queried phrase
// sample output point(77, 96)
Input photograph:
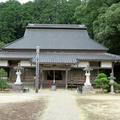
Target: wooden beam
point(55, 68)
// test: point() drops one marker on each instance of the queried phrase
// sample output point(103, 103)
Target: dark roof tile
point(56, 39)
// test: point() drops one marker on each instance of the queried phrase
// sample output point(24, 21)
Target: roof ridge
point(56, 26)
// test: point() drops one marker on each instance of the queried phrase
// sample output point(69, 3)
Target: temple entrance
point(51, 75)
point(57, 76)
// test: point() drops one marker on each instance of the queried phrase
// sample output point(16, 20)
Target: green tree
point(3, 81)
point(102, 17)
point(87, 12)
point(10, 21)
point(1, 44)
point(107, 28)
point(55, 11)
point(102, 81)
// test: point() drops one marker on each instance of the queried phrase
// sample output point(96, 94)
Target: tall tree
point(107, 28)
point(55, 11)
point(87, 12)
point(10, 21)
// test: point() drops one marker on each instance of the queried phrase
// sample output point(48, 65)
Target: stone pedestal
point(112, 90)
point(87, 89)
point(17, 87)
point(53, 87)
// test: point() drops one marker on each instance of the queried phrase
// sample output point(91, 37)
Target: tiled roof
point(16, 55)
point(60, 57)
point(56, 37)
point(71, 58)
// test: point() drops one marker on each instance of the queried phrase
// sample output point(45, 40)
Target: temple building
point(65, 50)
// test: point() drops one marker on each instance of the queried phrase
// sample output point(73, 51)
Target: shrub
point(3, 84)
point(117, 87)
point(102, 82)
point(3, 80)
point(3, 74)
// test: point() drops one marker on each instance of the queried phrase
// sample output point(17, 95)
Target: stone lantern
point(18, 85)
point(112, 78)
point(87, 74)
point(87, 85)
point(18, 73)
point(53, 86)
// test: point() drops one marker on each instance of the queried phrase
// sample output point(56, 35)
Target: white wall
point(82, 64)
point(106, 64)
point(25, 63)
point(3, 63)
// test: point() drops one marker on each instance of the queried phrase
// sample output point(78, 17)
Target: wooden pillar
point(24, 75)
point(112, 70)
point(98, 70)
point(37, 70)
point(66, 79)
point(41, 85)
point(9, 75)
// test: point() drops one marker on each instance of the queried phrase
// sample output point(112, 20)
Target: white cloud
point(21, 1)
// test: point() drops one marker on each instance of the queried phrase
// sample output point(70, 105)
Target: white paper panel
point(3, 63)
point(106, 64)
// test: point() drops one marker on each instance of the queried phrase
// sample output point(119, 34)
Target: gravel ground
point(20, 97)
point(21, 111)
point(59, 105)
point(19, 106)
point(100, 107)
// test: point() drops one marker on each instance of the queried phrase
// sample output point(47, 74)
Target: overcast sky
point(22, 1)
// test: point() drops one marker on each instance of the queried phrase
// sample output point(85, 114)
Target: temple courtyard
point(59, 105)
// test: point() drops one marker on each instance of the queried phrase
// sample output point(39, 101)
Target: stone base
point(87, 89)
point(112, 93)
point(17, 87)
point(53, 87)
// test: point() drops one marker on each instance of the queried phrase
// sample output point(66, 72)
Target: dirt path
point(62, 106)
